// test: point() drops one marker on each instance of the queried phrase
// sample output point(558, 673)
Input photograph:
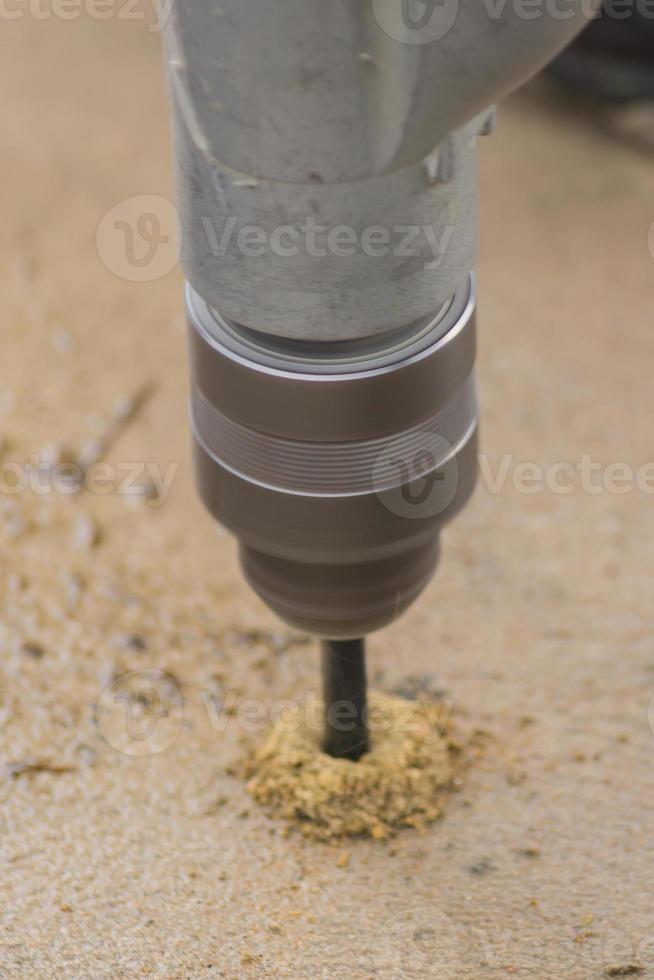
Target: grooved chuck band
point(336, 464)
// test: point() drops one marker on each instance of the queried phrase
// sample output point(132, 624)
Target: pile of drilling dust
point(400, 782)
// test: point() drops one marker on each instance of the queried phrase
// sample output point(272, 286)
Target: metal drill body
point(326, 173)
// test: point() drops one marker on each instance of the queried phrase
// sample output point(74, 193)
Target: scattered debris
point(415, 686)
point(126, 408)
point(482, 867)
point(529, 852)
point(15, 769)
point(58, 454)
point(248, 959)
point(277, 641)
point(33, 650)
point(74, 588)
point(132, 641)
point(144, 492)
point(86, 534)
point(54, 454)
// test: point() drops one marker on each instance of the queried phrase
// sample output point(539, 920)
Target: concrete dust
point(400, 782)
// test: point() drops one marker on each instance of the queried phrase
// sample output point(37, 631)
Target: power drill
point(326, 175)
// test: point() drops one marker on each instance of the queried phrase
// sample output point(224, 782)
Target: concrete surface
point(539, 626)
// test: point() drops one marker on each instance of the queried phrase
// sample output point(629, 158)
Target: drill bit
point(344, 689)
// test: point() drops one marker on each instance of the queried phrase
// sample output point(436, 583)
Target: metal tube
point(303, 121)
point(344, 689)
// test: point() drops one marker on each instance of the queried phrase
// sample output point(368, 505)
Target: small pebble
point(32, 650)
point(132, 641)
point(481, 867)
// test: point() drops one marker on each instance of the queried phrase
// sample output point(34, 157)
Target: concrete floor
point(539, 625)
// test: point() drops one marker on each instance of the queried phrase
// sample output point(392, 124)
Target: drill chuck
point(336, 464)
